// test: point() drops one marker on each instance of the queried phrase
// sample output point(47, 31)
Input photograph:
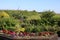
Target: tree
point(47, 17)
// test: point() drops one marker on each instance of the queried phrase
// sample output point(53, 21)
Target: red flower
point(20, 34)
point(11, 33)
point(25, 33)
point(32, 34)
point(51, 33)
point(5, 31)
point(47, 33)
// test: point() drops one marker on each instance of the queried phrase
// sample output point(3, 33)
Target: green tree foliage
point(47, 17)
point(8, 23)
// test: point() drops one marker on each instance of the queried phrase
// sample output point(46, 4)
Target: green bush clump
point(8, 23)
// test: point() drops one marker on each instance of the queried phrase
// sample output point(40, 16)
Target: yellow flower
point(3, 14)
point(22, 29)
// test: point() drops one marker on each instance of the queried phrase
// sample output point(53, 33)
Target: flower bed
point(30, 36)
point(53, 37)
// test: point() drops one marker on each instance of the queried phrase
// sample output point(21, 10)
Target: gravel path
point(58, 38)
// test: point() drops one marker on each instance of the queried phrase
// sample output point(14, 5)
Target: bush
point(4, 14)
point(47, 17)
point(8, 23)
point(35, 30)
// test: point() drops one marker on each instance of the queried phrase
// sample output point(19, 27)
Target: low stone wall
point(52, 37)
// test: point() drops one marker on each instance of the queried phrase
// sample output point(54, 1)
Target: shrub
point(8, 23)
point(4, 14)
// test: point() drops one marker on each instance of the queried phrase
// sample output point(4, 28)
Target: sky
point(38, 5)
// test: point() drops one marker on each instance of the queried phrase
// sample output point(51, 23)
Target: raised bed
point(52, 37)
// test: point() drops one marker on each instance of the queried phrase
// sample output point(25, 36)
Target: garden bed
point(52, 37)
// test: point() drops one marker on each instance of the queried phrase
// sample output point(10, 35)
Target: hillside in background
point(29, 14)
